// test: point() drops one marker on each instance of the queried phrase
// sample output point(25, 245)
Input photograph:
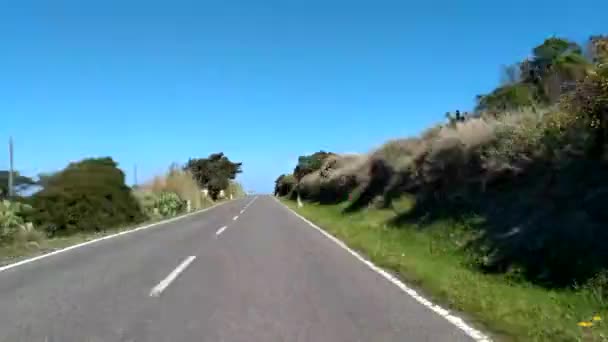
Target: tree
point(598, 49)
point(554, 63)
point(19, 182)
point(213, 172)
point(553, 69)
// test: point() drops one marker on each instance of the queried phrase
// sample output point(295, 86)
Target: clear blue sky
point(155, 82)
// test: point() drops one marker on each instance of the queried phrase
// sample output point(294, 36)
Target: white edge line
point(455, 320)
point(242, 211)
point(221, 230)
point(46, 255)
point(158, 289)
point(235, 218)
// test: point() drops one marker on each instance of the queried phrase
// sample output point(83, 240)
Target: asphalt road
point(266, 276)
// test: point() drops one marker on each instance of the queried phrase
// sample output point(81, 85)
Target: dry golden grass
point(181, 183)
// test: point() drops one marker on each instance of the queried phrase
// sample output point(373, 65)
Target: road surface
point(248, 270)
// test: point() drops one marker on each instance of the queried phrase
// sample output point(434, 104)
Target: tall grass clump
point(235, 190)
point(179, 182)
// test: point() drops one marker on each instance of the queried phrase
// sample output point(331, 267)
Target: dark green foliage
point(508, 97)
point(213, 172)
point(284, 185)
point(554, 63)
point(310, 163)
point(552, 70)
point(589, 102)
point(20, 182)
point(90, 195)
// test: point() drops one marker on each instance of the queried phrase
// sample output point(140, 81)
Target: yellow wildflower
point(585, 324)
point(597, 318)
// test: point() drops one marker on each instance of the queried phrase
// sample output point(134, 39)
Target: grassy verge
point(429, 258)
point(11, 253)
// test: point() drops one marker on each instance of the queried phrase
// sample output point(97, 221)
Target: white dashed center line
point(158, 289)
point(221, 230)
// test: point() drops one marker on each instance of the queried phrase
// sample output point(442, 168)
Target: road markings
point(27, 261)
point(248, 204)
point(455, 320)
point(158, 289)
point(221, 230)
point(235, 218)
point(242, 211)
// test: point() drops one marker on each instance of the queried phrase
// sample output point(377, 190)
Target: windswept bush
point(310, 163)
point(284, 184)
point(339, 175)
point(309, 186)
point(531, 161)
point(90, 195)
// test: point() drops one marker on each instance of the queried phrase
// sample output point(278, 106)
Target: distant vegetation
point(525, 171)
point(214, 172)
point(91, 196)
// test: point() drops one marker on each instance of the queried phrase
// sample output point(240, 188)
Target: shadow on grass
point(550, 227)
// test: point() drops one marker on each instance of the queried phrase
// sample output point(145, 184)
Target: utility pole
point(10, 170)
point(135, 175)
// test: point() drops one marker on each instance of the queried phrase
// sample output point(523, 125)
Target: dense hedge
point(90, 195)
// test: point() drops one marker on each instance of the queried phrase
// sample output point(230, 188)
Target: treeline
point(530, 160)
point(91, 196)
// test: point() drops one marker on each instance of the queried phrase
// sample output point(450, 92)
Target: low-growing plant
point(169, 204)
point(13, 226)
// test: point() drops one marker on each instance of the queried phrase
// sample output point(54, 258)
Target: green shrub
point(169, 204)
point(90, 195)
point(12, 222)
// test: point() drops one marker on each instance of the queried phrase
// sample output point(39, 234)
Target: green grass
point(511, 310)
